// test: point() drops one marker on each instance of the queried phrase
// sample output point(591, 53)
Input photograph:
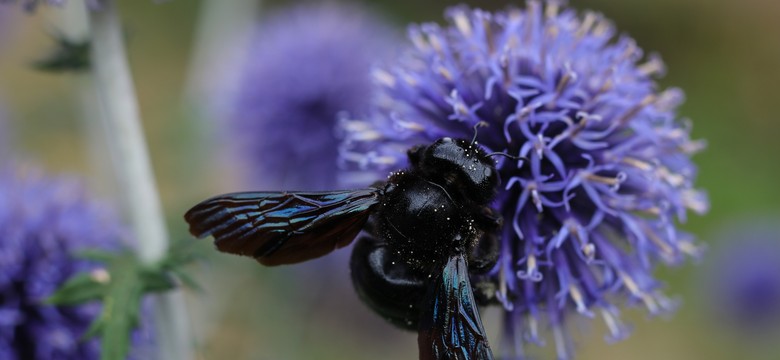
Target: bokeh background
point(724, 54)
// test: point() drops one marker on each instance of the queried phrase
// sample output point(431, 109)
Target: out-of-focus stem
point(72, 23)
point(222, 30)
point(122, 123)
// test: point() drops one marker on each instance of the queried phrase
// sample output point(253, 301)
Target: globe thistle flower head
point(608, 175)
point(304, 65)
point(744, 279)
point(43, 222)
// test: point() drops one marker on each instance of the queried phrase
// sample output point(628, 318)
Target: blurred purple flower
point(609, 174)
point(303, 66)
point(744, 278)
point(43, 222)
point(31, 5)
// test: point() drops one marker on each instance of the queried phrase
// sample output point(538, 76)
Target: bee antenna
point(509, 156)
point(476, 126)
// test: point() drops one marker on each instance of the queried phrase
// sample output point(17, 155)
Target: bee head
point(460, 166)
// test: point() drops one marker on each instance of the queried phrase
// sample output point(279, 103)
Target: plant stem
point(221, 34)
point(72, 22)
point(122, 123)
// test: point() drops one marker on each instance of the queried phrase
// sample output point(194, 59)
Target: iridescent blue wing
point(450, 326)
point(283, 227)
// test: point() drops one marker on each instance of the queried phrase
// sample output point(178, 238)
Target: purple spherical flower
point(744, 278)
point(43, 222)
point(303, 66)
point(609, 174)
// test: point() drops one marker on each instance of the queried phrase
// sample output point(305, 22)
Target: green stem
point(122, 125)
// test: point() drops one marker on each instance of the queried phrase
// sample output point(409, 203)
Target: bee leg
point(484, 253)
point(386, 284)
point(482, 258)
point(483, 250)
point(488, 219)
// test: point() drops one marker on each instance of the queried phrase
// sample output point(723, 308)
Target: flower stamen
point(633, 111)
point(576, 296)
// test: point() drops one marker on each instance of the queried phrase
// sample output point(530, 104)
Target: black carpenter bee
point(426, 229)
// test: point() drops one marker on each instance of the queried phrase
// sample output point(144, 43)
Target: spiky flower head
point(43, 222)
point(743, 278)
point(609, 174)
point(304, 65)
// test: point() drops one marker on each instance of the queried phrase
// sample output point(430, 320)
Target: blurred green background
point(724, 54)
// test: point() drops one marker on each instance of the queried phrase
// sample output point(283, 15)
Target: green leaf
point(156, 280)
point(67, 55)
point(79, 289)
point(94, 329)
point(187, 280)
point(180, 255)
point(121, 305)
point(121, 287)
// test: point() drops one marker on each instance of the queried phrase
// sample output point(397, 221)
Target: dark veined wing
point(450, 326)
point(283, 227)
